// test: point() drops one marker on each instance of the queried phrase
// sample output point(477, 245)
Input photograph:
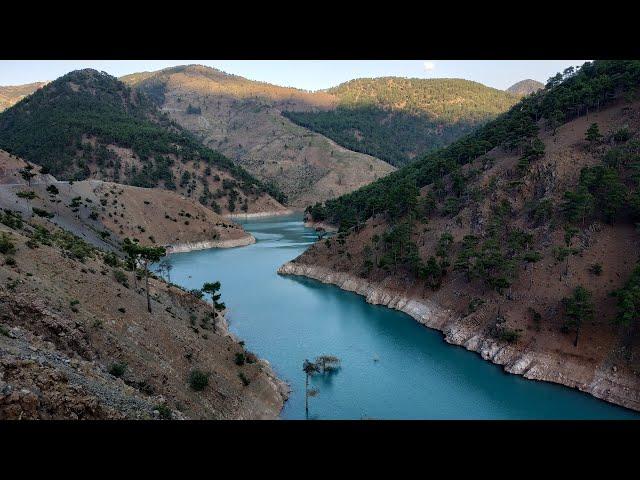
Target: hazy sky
point(305, 74)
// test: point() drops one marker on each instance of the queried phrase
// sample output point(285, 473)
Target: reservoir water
point(392, 367)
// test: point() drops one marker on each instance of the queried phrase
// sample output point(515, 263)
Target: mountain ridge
point(89, 124)
point(242, 118)
point(399, 119)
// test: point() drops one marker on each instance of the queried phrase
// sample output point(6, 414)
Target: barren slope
point(243, 120)
point(12, 94)
point(76, 341)
point(104, 213)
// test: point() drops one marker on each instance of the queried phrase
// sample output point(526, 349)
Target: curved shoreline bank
point(205, 244)
point(601, 382)
point(246, 216)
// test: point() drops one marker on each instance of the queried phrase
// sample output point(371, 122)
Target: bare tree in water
point(309, 368)
point(324, 364)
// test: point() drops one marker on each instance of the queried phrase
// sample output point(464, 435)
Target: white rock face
point(518, 359)
point(244, 216)
point(203, 245)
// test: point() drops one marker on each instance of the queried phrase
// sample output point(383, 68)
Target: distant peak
point(525, 87)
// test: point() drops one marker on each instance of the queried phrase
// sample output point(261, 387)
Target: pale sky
point(305, 74)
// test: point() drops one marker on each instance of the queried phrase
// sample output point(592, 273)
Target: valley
point(176, 244)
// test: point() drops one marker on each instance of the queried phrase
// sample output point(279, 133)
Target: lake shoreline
point(604, 384)
point(184, 247)
point(248, 216)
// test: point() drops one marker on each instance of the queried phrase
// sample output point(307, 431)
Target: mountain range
point(313, 146)
point(88, 124)
point(506, 220)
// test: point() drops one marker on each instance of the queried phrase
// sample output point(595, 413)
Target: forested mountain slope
point(399, 119)
point(519, 241)
point(88, 124)
point(242, 119)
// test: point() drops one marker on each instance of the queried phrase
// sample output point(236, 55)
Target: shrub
point(196, 293)
point(622, 135)
point(164, 412)
point(531, 257)
point(111, 259)
point(42, 213)
point(240, 359)
point(6, 245)
point(11, 219)
point(30, 195)
point(508, 335)
point(53, 190)
point(596, 269)
point(245, 380)
point(474, 304)
point(117, 369)
point(4, 331)
point(10, 261)
point(251, 358)
point(198, 380)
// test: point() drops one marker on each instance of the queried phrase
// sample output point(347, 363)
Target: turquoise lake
point(392, 367)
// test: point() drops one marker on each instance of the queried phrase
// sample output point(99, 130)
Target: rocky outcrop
point(598, 380)
point(205, 244)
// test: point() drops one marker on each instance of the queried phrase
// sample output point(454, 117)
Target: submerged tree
point(309, 369)
point(328, 363)
point(324, 364)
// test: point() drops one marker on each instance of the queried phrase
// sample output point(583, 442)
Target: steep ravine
point(599, 380)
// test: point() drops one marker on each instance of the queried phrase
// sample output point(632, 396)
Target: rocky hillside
point(519, 242)
point(105, 213)
point(88, 124)
point(12, 94)
point(525, 87)
point(243, 120)
point(68, 353)
point(399, 119)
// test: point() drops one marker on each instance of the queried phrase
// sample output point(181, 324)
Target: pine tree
point(578, 309)
point(593, 134)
